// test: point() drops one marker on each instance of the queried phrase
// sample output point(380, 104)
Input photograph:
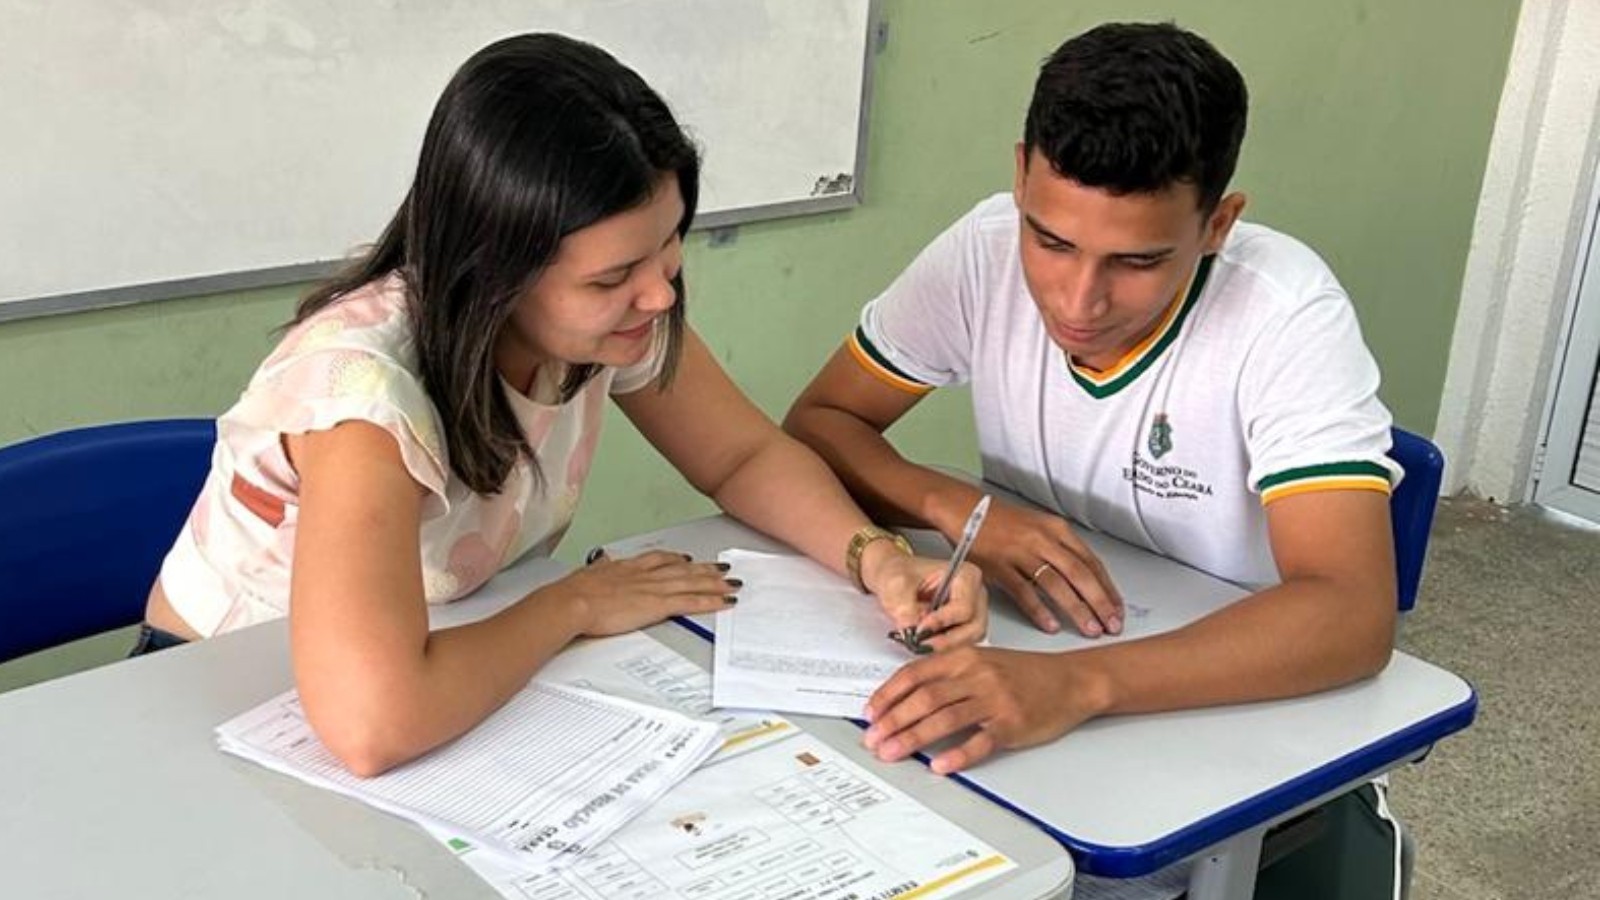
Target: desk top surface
point(1131, 794)
point(112, 785)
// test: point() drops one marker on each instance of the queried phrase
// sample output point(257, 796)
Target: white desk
point(1132, 794)
point(111, 786)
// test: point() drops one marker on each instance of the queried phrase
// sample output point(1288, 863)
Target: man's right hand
point(995, 699)
point(1029, 553)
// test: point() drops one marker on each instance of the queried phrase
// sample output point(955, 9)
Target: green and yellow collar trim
point(1101, 384)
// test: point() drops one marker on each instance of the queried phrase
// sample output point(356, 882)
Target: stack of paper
point(774, 813)
point(535, 798)
point(640, 668)
point(552, 773)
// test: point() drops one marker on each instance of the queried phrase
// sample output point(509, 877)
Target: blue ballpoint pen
point(969, 534)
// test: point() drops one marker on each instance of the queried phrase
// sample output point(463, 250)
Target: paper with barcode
point(794, 819)
point(552, 773)
point(801, 639)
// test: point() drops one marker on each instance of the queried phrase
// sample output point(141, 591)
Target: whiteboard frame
point(274, 276)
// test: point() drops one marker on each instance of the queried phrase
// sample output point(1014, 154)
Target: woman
point(431, 415)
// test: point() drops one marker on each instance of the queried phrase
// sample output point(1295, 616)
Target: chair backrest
point(86, 516)
point(1411, 508)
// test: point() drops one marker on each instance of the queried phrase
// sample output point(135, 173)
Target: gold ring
point(1034, 578)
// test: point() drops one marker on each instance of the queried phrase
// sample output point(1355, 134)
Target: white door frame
point(1518, 289)
point(1557, 486)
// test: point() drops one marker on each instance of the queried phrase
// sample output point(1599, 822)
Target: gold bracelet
point(858, 545)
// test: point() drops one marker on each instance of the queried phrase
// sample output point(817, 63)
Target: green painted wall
point(1370, 127)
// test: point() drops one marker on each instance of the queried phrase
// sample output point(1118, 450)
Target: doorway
point(1567, 471)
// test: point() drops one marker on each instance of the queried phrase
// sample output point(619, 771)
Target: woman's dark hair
point(535, 137)
point(1136, 108)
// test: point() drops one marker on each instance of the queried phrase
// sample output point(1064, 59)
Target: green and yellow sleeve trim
point(1345, 476)
point(879, 366)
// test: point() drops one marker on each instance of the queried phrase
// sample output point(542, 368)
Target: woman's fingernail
point(736, 582)
point(730, 599)
point(723, 567)
point(686, 557)
point(1114, 625)
point(593, 556)
point(1093, 629)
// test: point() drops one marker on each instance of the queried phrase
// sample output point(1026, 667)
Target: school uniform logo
point(1160, 440)
point(1167, 480)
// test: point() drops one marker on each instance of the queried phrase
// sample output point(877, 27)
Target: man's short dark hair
point(1136, 108)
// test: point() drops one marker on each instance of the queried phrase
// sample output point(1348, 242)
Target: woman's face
point(598, 300)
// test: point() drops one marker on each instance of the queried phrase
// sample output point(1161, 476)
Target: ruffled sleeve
point(317, 390)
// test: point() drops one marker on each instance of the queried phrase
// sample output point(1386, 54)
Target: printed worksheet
point(802, 639)
point(794, 819)
point(550, 774)
point(640, 668)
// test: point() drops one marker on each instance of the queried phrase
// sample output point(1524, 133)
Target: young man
point(1147, 365)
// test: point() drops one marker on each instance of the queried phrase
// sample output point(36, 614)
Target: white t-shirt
point(356, 359)
point(1255, 385)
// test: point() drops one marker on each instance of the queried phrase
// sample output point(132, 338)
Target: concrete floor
point(1509, 808)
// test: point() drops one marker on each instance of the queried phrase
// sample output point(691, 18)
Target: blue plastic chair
point(1411, 508)
point(86, 516)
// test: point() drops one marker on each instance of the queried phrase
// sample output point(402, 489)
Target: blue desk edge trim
point(695, 627)
point(1132, 862)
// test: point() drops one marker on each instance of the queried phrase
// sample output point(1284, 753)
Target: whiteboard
point(161, 148)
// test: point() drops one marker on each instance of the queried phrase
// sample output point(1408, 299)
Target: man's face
point(1103, 268)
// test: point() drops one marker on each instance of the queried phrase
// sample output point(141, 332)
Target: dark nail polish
point(593, 556)
point(686, 557)
point(736, 582)
point(723, 567)
point(730, 599)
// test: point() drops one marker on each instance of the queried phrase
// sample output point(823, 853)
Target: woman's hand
point(614, 596)
point(906, 585)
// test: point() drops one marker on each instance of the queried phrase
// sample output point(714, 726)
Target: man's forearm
point(1287, 641)
point(892, 489)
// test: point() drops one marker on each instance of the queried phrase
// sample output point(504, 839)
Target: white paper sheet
point(638, 667)
point(550, 774)
point(794, 819)
point(801, 639)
